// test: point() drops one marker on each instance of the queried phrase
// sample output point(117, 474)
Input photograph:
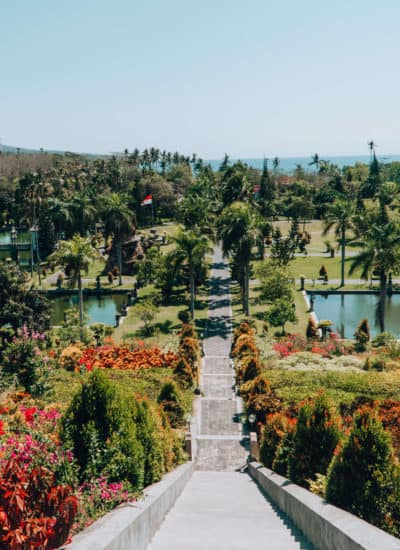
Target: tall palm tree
point(83, 212)
point(118, 221)
point(191, 248)
point(239, 232)
point(75, 256)
point(59, 212)
point(340, 217)
point(380, 253)
point(315, 161)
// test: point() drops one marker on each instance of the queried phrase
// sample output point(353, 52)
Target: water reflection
point(100, 309)
point(346, 311)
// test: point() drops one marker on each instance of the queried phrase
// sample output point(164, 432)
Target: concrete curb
point(325, 526)
point(134, 525)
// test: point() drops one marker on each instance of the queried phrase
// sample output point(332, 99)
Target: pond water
point(99, 309)
point(346, 311)
point(23, 237)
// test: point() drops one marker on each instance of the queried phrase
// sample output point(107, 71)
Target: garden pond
point(346, 310)
point(99, 309)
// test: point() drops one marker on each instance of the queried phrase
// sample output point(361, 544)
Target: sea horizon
point(288, 164)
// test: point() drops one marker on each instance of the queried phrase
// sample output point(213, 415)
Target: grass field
point(342, 387)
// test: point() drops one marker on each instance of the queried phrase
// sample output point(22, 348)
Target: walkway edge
point(324, 525)
point(134, 525)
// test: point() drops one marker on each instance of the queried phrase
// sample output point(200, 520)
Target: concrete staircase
point(220, 507)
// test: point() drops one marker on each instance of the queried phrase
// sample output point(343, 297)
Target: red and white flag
point(147, 200)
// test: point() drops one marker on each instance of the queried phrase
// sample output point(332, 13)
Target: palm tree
point(75, 256)
point(191, 248)
point(239, 232)
point(315, 161)
point(83, 212)
point(59, 212)
point(381, 253)
point(118, 221)
point(340, 216)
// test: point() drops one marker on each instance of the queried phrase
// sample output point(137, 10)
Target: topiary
point(183, 373)
point(170, 400)
point(272, 434)
point(187, 331)
point(261, 400)
point(315, 439)
point(190, 350)
point(99, 425)
point(245, 345)
point(359, 475)
point(250, 368)
point(362, 335)
point(282, 454)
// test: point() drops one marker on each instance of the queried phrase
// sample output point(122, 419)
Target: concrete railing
point(134, 525)
point(325, 526)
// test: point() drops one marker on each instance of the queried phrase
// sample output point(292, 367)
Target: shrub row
point(349, 460)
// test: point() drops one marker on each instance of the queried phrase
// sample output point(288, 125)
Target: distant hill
point(22, 150)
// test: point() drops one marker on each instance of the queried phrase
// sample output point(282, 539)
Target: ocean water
point(288, 164)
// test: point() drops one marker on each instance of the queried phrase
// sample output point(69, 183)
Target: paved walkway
point(221, 508)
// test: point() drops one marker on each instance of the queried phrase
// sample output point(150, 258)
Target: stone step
point(225, 511)
point(221, 454)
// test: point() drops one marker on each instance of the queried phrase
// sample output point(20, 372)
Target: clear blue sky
point(250, 78)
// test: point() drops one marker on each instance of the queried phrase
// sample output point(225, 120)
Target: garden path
point(220, 507)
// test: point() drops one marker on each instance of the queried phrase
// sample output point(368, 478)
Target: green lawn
point(342, 387)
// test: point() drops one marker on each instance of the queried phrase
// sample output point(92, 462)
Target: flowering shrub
point(99, 496)
point(293, 343)
point(120, 357)
point(69, 357)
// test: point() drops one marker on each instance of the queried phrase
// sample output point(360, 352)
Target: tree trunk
point(343, 243)
point(119, 252)
point(246, 290)
point(192, 295)
point(80, 296)
point(381, 306)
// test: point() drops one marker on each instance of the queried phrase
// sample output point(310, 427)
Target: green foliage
point(146, 311)
point(282, 454)
point(183, 373)
point(170, 399)
point(20, 305)
point(24, 363)
point(362, 335)
point(100, 426)
point(71, 332)
point(359, 476)
point(315, 439)
point(280, 313)
point(275, 282)
point(148, 431)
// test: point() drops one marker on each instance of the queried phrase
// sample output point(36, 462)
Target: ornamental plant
point(170, 400)
point(25, 363)
point(35, 512)
point(260, 399)
point(245, 345)
point(183, 373)
point(359, 477)
point(315, 439)
point(273, 432)
point(250, 368)
point(99, 426)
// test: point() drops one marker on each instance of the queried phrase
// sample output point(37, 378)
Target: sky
point(250, 78)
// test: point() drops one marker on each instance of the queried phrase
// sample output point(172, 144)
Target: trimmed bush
point(359, 475)
point(170, 400)
point(362, 335)
point(275, 429)
point(183, 373)
point(259, 398)
point(282, 454)
point(149, 426)
point(99, 425)
point(249, 369)
point(245, 345)
point(315, 439)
